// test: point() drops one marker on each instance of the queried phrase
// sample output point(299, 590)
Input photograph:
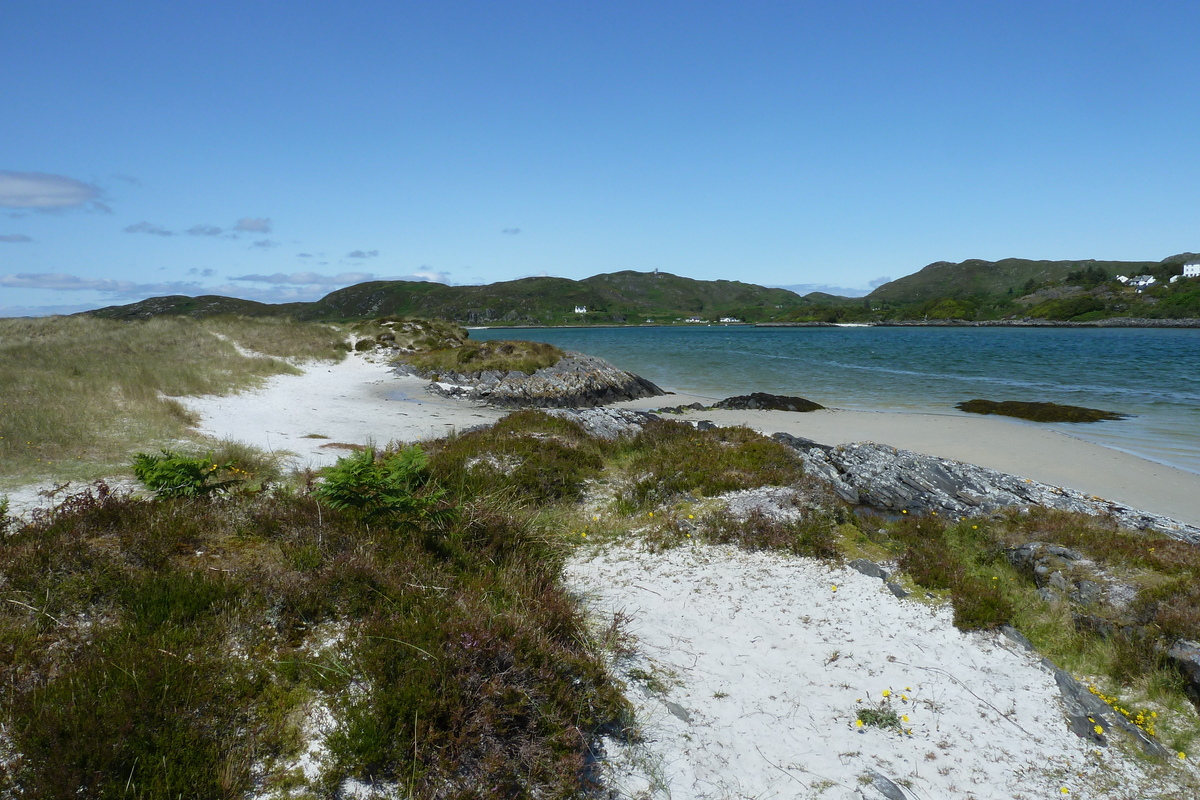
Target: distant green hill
point(976, 278)
point(618, 297)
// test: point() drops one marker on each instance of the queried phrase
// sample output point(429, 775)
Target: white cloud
point(308, 278)
point(62, 282)
point(253, 225)
point(150, 228)
point(15, 237)
point(39, 190)
point(429, 276)
point(360, 254)
point(204, 230)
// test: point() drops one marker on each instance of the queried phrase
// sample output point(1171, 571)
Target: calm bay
point(1151, 374)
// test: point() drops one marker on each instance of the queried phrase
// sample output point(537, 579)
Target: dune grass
point(79, 392)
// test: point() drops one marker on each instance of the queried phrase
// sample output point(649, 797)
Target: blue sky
point(280, 150)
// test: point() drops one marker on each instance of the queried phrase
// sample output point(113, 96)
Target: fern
point(396, 485)
point(173, 475)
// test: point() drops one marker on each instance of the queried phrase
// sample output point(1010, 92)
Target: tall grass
point(78, 394)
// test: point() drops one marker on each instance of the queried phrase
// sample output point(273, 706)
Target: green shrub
point(394, 485)
point(529, 456)
point(173, 475)
point(671, 458)
point(498, 355)
point(813, 535)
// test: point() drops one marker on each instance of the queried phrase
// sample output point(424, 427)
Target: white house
point(1191, 269)
point(1142, 281)
point(580, 309)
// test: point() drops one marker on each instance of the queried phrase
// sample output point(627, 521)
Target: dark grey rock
point(1100, 626)
point(768, 402)
point(606, 423)
point(890, 479)
point(576, 381)
point(678, 711)
point(869, 568)
point(1085, 711)
point(1017, 636)
point(1087, 593)
point(897, 590)
point(886, 786)
point(1184, 655)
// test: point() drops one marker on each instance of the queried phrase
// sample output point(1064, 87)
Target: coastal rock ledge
point(896, 480)
point(576, 381)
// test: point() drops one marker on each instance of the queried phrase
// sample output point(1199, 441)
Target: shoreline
point(1006, 445)
point(359, 400)
point(1109, 322)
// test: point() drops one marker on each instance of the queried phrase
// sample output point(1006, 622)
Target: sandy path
point(356, 401)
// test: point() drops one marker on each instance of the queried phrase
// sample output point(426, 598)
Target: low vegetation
point(194, 645)
point(1038, 412)
point(404, 612)
point(113, 382)
point(475, 357)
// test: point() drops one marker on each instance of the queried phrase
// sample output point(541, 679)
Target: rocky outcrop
point(576, 381)
point(895, 480)
point(768, 402)
point(605, 423)
point(1184, 655)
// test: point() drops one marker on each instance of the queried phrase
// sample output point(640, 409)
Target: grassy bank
point(79, 392)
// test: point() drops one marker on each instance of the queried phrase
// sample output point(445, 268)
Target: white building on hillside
point(580, 309)
point(1191, 269)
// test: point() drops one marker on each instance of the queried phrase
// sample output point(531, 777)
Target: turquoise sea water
point(1153, 374)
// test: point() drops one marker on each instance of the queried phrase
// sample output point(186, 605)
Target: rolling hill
point(609, 298)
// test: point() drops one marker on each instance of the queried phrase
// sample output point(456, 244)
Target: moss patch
point(1038, 412)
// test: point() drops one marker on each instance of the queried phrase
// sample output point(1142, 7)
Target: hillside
point(975, 277)
point(610, 298)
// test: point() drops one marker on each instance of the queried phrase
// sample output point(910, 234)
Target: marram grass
point(79, 394)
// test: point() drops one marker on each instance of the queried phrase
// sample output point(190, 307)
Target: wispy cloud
point(511, 231)
point(265, 244)
point(304, 255)
point(62, 282)
point(45, 192)
point(150, 228)
point(204, 230)
point(308, 278)
point(253, 225)
point(14, 237)
point(274, 288)
point(361, 254)
point(424, 275)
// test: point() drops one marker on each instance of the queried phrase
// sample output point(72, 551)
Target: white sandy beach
point(357, 401)
point(759, 662)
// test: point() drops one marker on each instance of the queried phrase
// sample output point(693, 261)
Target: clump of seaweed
point(1038, 412)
